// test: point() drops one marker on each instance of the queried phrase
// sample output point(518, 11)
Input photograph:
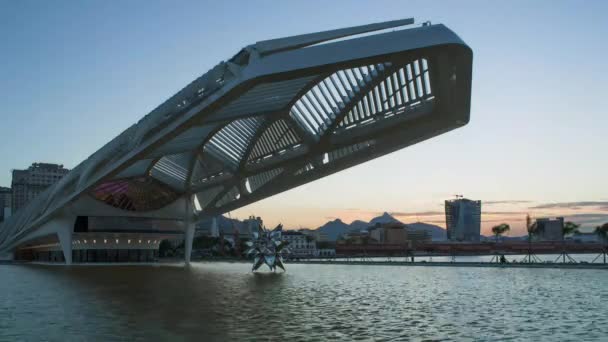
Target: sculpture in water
point(267, 248)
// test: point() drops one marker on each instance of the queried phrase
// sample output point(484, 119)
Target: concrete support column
point(189, 228)
point(214, 229)
point(188, 240)
point(64, 233)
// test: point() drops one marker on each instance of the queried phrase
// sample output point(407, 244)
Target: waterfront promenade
point(580, 265)
point(358, 262)
point(473, 248)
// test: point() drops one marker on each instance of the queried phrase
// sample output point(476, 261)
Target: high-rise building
point(549, 229)
point(5, 203)
point(463, 219)
point(28, 183)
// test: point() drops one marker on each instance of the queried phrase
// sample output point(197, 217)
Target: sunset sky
point(74, 77)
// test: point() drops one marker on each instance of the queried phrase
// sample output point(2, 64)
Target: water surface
point(224, 301)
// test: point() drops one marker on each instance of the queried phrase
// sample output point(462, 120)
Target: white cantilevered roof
point(278, 114)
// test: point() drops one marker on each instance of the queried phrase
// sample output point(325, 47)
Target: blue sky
point(75, 74)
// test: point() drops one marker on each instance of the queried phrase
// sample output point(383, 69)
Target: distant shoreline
point(459, 264)
point(580, 266)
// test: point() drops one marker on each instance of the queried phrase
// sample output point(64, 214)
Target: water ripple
point(223, 302)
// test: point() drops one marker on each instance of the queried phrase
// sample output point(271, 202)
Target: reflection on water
point(224, 301)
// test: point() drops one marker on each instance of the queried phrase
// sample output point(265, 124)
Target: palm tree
point(531, 228)
point(500, 229)
point(602, 232)
point(569, 228)
point(497, 231)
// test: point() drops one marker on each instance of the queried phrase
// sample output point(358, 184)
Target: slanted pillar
point(188, 240)
point(64, 233)
point(214, 229)
point(189, 228)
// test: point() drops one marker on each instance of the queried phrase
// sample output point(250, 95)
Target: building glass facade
point(463, 220)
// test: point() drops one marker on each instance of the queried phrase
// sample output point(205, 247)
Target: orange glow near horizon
point(492, 214)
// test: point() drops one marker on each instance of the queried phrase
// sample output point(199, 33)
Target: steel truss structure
point(278, 114)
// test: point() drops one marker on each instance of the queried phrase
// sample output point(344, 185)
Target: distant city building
point(316, 234)
point(397, 233)
point(586, 237)
point(463, 219)
point(549, 229)
point(28, 183)
point(362, 237)
point(418, 236)
point(327, 252)
point(252, 224)
point(300, 244)
point(389, 233)
point(5, 203)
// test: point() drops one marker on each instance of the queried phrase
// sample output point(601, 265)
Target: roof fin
point(267, 47)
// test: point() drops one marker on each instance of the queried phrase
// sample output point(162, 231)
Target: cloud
point(502, 220)
point(503, 212)
point(589, 215)
point(571, 205)
point(505, 202)
point(588, 219)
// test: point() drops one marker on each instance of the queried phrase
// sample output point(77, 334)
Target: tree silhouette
point(500, 229)
point(602, 232)
point(569, 228)
point(531, 228)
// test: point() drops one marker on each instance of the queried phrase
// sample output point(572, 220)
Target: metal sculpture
point(267, 247)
